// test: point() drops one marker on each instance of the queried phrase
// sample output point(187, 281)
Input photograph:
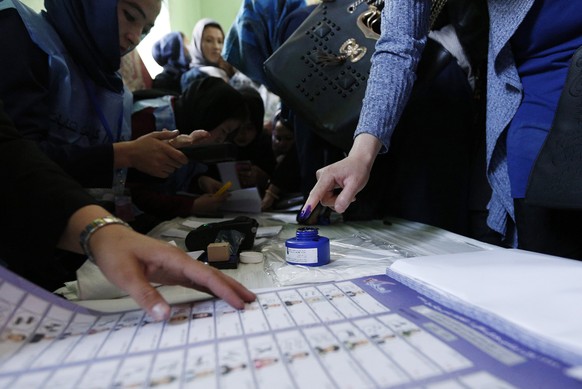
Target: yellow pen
point(223, 189)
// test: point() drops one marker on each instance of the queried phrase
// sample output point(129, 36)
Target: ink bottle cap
point(307, 248)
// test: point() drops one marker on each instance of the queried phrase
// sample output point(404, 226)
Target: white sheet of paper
point(285, 218)
point(536, 292)
point(243, 200)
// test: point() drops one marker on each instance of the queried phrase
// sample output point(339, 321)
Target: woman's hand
point(193, 138)
point(208, 184)
point(132, 261)
point(250, 175)
point(270, 197)
point(150, 154)
point(350, 175)
point(228, 68)
point(208, 203)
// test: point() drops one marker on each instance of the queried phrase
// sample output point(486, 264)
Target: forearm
point(122, 152)
point(37, 202)
point(404, 32)
point(365, 149)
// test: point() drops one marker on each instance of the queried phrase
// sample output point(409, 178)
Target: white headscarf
point(198, 58)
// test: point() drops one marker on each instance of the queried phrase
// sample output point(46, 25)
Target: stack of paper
point(533, 298)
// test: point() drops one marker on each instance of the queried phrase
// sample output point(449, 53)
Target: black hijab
point(89, 30)
point(206, 103)
point(259, 151)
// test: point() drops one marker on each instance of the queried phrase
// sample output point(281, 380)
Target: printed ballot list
point(370, 332)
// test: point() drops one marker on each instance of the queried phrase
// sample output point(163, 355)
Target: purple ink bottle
point(307, 248)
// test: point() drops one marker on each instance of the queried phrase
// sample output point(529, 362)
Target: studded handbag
point(321, 70)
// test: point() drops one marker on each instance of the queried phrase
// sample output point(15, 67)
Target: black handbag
point(321, 70)
point(556, 178)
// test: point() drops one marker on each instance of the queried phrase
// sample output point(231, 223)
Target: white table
point(357, 249)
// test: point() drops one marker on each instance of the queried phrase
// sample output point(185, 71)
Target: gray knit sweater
point(404, 31)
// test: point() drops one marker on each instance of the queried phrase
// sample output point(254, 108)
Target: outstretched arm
point(402, 39)
point(131, 261)
point(36, 189)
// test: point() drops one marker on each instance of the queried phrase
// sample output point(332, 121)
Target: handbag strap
point(435, 11)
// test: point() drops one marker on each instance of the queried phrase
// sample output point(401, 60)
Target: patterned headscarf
point(260, 27)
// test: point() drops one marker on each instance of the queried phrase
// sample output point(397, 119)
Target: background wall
point(178, 15)
point(185, 13)
point(34, 4)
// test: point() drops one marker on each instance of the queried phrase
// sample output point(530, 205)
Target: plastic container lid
point(251, 257)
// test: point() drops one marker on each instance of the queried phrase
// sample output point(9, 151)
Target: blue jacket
point(72, 129)
point(404, 33)
point(504, 94)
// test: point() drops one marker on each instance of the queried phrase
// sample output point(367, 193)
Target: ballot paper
point(370, 332)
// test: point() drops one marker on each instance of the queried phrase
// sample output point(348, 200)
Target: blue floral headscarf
point(90, 31)
point(259, 29)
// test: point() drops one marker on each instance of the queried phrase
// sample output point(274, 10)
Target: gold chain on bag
point(369, 23)
point(435, 11)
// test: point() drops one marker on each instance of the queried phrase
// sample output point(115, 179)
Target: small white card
point(243, 200)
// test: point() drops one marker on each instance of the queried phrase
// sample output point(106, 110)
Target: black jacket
point(36, 200)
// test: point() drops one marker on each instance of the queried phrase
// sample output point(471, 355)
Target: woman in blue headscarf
point(62, 87)
point(171, 53)
point(261, 26)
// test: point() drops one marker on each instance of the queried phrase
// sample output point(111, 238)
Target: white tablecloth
point(357, 249)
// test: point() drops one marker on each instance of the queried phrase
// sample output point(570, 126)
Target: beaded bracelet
point(93, 227)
